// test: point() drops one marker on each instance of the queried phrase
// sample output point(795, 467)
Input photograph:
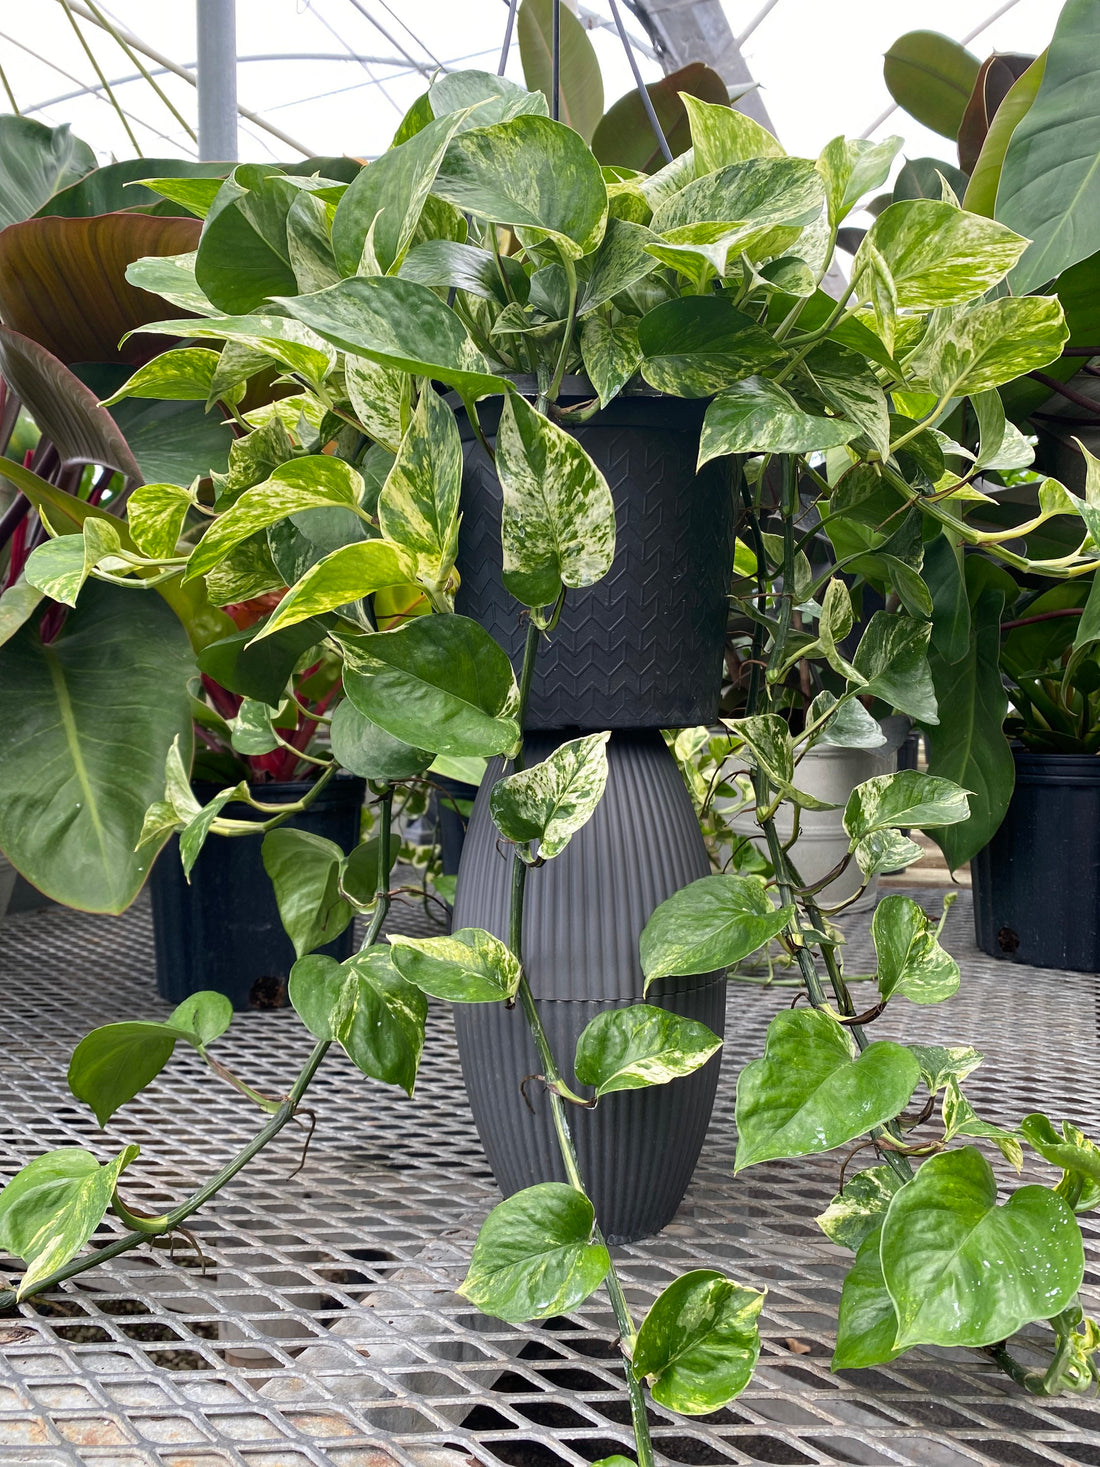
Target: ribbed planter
point(584, 913)
point(1037, 882)
point(643, 648)
point(223, 931)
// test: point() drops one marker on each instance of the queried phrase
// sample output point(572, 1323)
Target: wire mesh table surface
point(322, 1325)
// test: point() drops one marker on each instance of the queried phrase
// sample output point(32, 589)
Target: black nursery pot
point(584, 913)
point(223, 931)
point(643, 648)
point(1037, 882)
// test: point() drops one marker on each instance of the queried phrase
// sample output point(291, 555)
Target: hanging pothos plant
point(489, 241)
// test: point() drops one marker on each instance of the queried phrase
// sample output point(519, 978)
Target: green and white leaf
point(910, 959)
point(551, 801)
point(631, 1048)
point(418, 506)
point(859, 1207)
point(710, 924)
point(468, 966)
point(699, 1343)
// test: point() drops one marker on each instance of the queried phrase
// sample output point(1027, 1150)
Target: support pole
point(216, 28)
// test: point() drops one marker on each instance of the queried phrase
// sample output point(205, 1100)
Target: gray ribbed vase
point(584, 913)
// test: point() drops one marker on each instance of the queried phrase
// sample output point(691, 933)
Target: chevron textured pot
point(584, 913)
point(643, 648)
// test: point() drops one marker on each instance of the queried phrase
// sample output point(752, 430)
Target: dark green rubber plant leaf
point(75, 781)
point(37, 162)
point(809, 1092)
point(981, 192)
point(438, 680)
point(534, 1256)
point(581, 84)
point(469, 966)
point(932, 77)
point(50, 1209)
point(625, 138)
point(710, 924)
point(366, 1007)
point(114, 1063)
point(631, 1048)
point(962, 1270)
point(699, 1343)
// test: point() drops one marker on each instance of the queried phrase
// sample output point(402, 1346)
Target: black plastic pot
point(1037, 882)
point(451, 798)
point(584, 913)
point(223, 931)
point(643, 648)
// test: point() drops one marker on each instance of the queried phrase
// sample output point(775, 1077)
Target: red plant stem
point(1026, 621)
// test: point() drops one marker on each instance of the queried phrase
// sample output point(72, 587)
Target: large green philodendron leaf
point(910, 959)
point(418, 506)
point(989, 344)
point(36, 162)
point(551, 801)
point(699, 1343)
point(936, 255)
point(1049, 187)
point(50, 1209)
point(439, 681)
point(382, 206)
point(809, 1092)
point(580, 87)
point(963, 1271)
point(625, 136)
point(631, 1048)
point(534, 1256)
point(759, 416)
point(694, 346)
point(529, 173)
point(366, 1007)
point(402, 325)
point(969, 745)
point(468, 966)
point(710, 924)
point(75, 780)
point(932, 77)
point(114, 1063)
point(867, 1324)
point(558, 517)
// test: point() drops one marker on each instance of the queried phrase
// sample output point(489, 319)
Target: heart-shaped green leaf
point(963, 1271)
point(362, 747)
point(50, 1209)
point(910, 959)
point(892, 664)
point(469, 966)
point(551, 801)
point(256, 667)
point(401, 325)
point(721, 136)
point(808, 1092)
point(305, 872)
point(909, 798)
point(859, 1208)
point(367, 1008)
point(418, 506)
point(990, 343)
point(699, 1343)
point(694, 346)
point(851, 168)
point(558, 519)
point(759, 416)
point(534, 1256)
point(631, 1048)
point(711, 924)
point(934, 254)
point(867, 1325)
point(438, 679)
point(938, 1063)
point(339, 578)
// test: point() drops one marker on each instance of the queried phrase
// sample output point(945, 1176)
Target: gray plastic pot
point(643, 647)
point(585, 911)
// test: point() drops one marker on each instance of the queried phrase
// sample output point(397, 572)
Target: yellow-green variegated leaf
point(551, 801)
point(697, 345)
point(60, 567)
point(631, 1048)
point(184, 375)
point(934, 254)
point(759, 416)
point(155, 514)
point(290, 343)
point(721, 136)
point(850, 168)
point(377, 395)
point(468, 966)
point(558, 518)
point(711, 924)
point(339, 578)
point(910, 959)
point(700, 1342)
point(620, 262)
point(990, 344)
point(760, 193)
point(610, 353)
point(528, 173)
point(418, 506)
point(318, 481)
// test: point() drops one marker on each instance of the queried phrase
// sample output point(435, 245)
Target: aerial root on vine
point(867, 1017)
point(310, 1128)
